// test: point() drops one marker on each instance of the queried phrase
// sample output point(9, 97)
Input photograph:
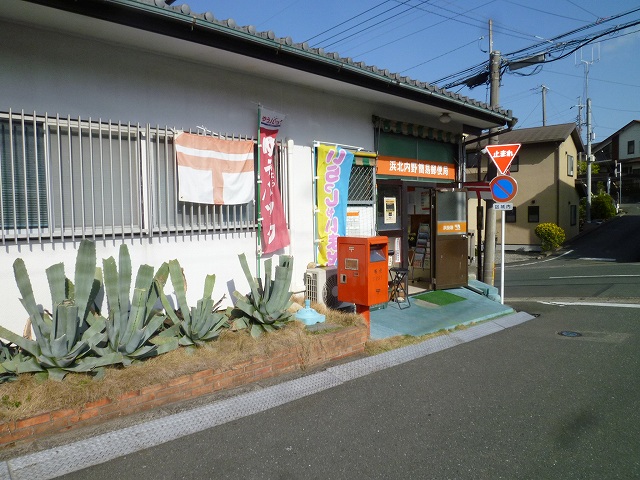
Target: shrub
point(603, 207)
point(551, 235)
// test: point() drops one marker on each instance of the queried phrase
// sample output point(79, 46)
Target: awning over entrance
point(415, 152)
point(414, 130)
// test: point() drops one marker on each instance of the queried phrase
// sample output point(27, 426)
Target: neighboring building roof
point(203, 28)
point(549, 133)
point(600, 145)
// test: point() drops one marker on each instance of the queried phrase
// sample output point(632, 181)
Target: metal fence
point(64, 178)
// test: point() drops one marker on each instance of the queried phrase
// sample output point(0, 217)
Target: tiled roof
point(305, 50)
point(550, 133)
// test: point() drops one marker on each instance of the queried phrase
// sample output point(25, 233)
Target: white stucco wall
point(46, 71)
point(631, 134)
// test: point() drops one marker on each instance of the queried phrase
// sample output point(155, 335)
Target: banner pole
point(502, 260)
point(259, 192)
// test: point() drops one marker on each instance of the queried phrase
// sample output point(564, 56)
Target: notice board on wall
point(360, 221)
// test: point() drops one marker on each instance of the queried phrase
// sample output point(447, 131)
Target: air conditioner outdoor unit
point(321, 286)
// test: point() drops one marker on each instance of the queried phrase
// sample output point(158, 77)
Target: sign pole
point(502, 260)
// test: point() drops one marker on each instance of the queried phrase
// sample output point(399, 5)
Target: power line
point(347, 21)
point(562, 50)
point(441, 55)
point(582, 8)
point(351, 33)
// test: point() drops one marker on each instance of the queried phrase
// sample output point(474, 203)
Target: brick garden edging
point(329, 346)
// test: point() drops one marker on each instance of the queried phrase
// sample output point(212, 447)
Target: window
point(573, 215)
point(533, 214)
point(510, 215)
point(570, 165)
point(515, 165)
point(23, 186)
point(631, 144)
point(67, 178)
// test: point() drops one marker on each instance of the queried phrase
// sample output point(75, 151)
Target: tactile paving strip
point(76, 456)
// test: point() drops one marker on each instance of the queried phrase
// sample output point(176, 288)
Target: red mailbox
point(363, 271)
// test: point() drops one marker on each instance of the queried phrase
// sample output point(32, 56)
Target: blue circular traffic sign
point(503, 188)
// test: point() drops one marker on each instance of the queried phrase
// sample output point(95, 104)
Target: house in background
point(619, 159)
point(95, 92)
point(545, 170)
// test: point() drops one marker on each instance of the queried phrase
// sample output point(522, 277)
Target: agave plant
point(8, 354)
point(65, 338)
point(198, 324)
point(132, 325)
point(265, 308)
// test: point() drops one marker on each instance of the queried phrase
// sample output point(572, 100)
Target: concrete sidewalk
point(421, 317)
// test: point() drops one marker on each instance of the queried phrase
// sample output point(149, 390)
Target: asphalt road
point(524, 403)
point(602, 265)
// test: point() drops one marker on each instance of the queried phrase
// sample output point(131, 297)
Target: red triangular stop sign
point(503, 155)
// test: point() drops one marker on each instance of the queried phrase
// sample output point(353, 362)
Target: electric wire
point(346, 21)
point(352, 33)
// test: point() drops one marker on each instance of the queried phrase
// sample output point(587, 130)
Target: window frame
point(533, 214)
point(140, 190)
point(570, 165)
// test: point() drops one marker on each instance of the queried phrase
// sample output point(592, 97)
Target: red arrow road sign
point(503, 155)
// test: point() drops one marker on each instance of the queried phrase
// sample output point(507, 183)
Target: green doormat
point(439, 297)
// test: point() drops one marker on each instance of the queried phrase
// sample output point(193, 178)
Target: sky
point(435, 39)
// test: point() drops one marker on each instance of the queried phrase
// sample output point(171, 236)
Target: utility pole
point(587, 64)
point(588, 209)
point(490, 223)
point(579, 119)
point(544, 105)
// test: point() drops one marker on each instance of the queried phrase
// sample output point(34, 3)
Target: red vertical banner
point(274, 225)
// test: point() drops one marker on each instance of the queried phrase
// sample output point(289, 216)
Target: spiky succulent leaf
point(209, 283)
point(267, 278)
point(57, 283)
point(113, 300)
point(165, 344)
point(177, 280)
point(124, 282)
point(250, 279)
point(84, 276)
point(24, 286)
point(29, 346)
point(256, 331)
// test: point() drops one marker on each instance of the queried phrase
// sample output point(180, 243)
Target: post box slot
point(377, 254)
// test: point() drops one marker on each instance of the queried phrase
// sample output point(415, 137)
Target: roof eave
point(177, 24)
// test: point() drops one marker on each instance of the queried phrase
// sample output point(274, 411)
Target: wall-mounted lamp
point(445, 118)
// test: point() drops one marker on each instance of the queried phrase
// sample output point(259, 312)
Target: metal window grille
point(87, 178)
point(361, 185)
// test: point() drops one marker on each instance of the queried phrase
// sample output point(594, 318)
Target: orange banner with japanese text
point(409, 167)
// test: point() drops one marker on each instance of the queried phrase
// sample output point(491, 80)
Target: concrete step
point(483, 289)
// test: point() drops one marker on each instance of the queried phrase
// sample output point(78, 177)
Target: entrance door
point(451, 242)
